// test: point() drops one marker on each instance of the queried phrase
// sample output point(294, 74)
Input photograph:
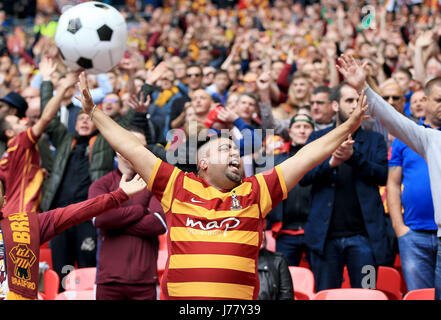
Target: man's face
point(222, 163)
point(347, 103)
point(321, 108)
point(300, 88)
point(418, 102)
point(402, 79)
point(276, 68)
point(166, 80)
point(208, 76)
point(113, 80)
point(433, 106)
point(180, 70)
point(394, 97)
point(84, 126)
point(111, 105)
point(30, 94)
point(201, 101)
point(221, 81)
point(299, 131)
point(319, 70)
point(204, 56)
point(16, 124)
point(194, 78)
point(33, 112)
point(245, 107)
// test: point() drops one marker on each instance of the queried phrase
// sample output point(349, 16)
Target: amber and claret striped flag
point(214, 236)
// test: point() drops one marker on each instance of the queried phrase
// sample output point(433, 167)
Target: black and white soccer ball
point(91, 36)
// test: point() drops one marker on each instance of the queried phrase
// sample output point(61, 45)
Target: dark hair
point(322, 89)
point(4, 125)
point(251, 95)
point(336, 92)
point(133, 128)
point(194, 65)
point(430, 84)
point(220, 71)
point(405, 71)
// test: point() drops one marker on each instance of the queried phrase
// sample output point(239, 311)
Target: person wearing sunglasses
point(193, 83)
point(112, 105)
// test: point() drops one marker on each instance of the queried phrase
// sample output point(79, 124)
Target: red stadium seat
point(420, 294)
point(346, 281)
point(76, 295)
point(389, 281)
point(46, 256)
point(81, 279)
point(51, 284)
point(350, 294)
point(162, 241)
point(162, 260)
point(397, 265)
point(303, 283)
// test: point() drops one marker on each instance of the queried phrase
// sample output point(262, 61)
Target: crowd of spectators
point(267, 71)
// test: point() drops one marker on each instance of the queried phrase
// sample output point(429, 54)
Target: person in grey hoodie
point(424, 141)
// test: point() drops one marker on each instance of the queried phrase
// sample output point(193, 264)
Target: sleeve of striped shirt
point(162, 183)
point(16, 148)
point(272, 189)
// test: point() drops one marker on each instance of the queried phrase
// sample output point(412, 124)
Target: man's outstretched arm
point(120, 139)
point(314, 153)
point(412, 134)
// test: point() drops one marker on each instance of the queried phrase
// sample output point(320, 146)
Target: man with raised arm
point(22, 233)
point(20, 168)
point(424, 141)
point(215, 218)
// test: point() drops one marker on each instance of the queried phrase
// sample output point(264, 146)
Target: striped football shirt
point(214, 236)
point(21, 173)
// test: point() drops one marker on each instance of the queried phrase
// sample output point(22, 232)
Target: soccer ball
point(92, 36)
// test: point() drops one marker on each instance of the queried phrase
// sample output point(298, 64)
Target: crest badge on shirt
point(235, 203)
point(23, 259)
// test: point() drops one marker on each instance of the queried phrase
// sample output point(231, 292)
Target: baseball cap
point(16, 101)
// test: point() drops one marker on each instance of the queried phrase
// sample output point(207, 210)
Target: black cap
point(16, 101)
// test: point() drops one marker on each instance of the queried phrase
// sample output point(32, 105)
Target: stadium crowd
point(272, 72)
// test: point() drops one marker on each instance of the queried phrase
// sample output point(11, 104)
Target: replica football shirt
point(21, 173)
point(214, 236)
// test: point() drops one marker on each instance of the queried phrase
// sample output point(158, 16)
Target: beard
point(234, 177)
point(342, 116)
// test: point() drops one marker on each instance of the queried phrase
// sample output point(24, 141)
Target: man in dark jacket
point(128, 239)
point(274, 276)
point(288, 219)
point(346, 221)
point(80, 158)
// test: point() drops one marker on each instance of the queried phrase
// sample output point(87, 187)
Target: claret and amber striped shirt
point(21, 173)
point(214, 237)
